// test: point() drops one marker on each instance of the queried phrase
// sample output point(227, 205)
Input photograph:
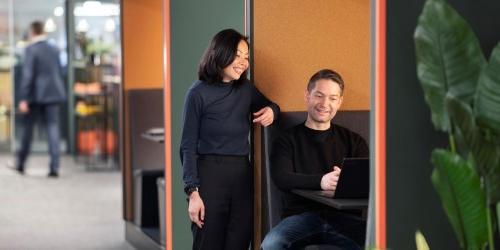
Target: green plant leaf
point(464, 124)
point(463, 200)
point(472, 139)
point(487, 100)
point(449, 58)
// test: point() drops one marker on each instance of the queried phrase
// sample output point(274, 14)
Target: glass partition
point(87, 34)
point(94, 78)
point(16, 17)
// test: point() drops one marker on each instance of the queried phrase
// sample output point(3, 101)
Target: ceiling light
point(101, 10)
point(110, 25)
point(50, 25)
point(92, 4)
point(82, 26)
point(58, 11)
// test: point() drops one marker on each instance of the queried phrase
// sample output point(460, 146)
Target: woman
point(214, 146)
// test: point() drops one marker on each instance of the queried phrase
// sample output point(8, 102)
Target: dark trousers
point(49, 114)
point(310, 228)
point(226, 188)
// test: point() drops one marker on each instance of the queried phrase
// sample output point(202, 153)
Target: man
point(41, 92)
point(307, 156)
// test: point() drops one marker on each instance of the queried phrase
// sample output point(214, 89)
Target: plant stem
point(498, 217)
point(452, 143)
point(490, 228)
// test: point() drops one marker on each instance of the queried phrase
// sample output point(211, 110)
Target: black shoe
point(18, 169)
point(53, 174)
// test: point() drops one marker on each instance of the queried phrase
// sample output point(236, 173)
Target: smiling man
point(307, 156)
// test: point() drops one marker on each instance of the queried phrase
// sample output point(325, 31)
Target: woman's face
point(239, 65)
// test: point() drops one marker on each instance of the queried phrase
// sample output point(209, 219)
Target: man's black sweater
point(301, 156)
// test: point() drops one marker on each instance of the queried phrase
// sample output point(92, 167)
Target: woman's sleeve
point(259, 101)
point(189, 142)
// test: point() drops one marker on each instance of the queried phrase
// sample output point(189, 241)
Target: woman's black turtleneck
point(217, 121)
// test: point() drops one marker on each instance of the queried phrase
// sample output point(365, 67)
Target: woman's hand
point(265, 116)
point(196, 209)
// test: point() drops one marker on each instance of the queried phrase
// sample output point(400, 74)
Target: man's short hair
point(326, 74)
point(37, 27)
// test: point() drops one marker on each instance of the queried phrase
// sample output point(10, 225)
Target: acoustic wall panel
point(294, 39)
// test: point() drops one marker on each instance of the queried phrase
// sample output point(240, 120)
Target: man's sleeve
point(360, 148)
point(282, 168)
point(27, 76)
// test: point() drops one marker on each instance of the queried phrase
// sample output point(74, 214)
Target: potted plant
point(462, 90)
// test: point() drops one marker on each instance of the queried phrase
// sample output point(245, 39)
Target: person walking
point(41, 93)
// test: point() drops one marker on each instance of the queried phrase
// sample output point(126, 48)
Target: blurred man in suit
point(41, 92)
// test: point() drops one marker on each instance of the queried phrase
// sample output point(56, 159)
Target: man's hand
point(330, 180)
point(24, 107)
point(196, 209)
point(265, 116)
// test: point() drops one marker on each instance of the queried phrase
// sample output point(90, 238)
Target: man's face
point(323, 101)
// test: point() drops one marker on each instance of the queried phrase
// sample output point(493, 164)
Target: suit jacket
point(42, 81)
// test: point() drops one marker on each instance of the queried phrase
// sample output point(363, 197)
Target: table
point(154, 134)
point(155, 138)
point(324, 197)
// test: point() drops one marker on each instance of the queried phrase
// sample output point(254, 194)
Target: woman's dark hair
point(220, 54)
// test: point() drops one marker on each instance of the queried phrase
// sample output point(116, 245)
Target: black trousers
point(226, 187)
